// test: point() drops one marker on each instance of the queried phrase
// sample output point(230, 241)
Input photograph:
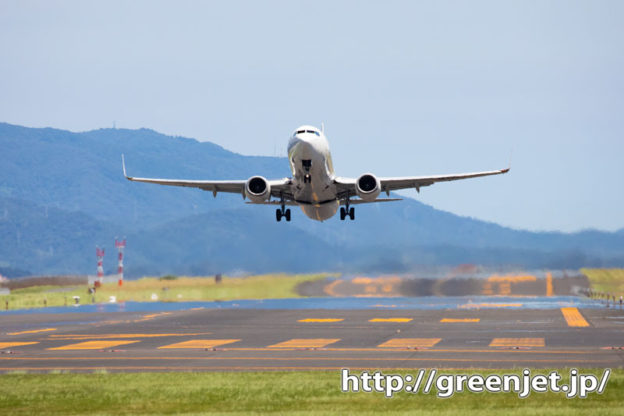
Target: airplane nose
point(305, 146)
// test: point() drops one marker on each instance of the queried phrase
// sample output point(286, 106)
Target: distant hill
point(46, 239)
point(62, 193)
point(82, 172)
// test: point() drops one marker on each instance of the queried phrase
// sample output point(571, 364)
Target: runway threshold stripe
point(459, 320)
point(15, 344)
point(32, 331)
point(305, 343)
point(321, 320)
point(410, 343)
point(573, 317)
point(200, 343)
point(517, 342)
point(390, 320)
point(93, 345)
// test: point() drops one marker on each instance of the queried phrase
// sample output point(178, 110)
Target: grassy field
point(302, 393)
point(179, 289)
point(606, 280)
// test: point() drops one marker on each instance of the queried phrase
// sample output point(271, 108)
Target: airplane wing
point(352, 202)
point(278, 186)
point(347, 185)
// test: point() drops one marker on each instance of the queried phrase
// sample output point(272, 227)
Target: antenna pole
point(121, 245)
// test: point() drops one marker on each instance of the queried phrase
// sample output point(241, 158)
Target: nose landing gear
point(307, 165)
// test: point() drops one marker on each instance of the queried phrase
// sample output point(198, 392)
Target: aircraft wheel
point(352, 213)
point(278, 215)
point(343, 214)
point(287, 215)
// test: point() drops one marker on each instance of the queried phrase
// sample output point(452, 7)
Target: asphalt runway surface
point(366, 332)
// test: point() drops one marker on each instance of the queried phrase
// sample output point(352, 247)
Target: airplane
point(314, 186)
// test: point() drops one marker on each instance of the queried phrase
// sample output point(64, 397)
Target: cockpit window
point(308, 131)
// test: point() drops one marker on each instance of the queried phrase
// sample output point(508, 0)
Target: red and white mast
point(99, 252)
point(120, 248)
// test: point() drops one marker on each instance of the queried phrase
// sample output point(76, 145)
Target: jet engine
point(257, 189)
point(367, 187)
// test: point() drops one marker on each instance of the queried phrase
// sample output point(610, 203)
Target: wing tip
point(505, 170)
point(123, 167)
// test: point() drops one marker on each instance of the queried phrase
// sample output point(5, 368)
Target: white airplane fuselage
point(312, 173)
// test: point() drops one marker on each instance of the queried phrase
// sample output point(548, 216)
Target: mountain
point(47, 239)
point(62, 193)
point(82, 172)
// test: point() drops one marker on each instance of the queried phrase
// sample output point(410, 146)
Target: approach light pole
point(99, 252)
point(121, 245)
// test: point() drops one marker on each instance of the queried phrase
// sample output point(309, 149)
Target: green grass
point(303, 393)
point(176, 290)
point(606, 280)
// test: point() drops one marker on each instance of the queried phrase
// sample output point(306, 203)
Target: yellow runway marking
point(93, 345)
point(410, 342)
point(305, 343)
point(582, 352)
point(454, 320)
point(14, 344)
point(200, 343)
point(504, 288)
point(152, 316)
point(321, 320)
point(121, 336)
point(329, 289)
point(549, 284)
point(573, 317)
point(362, 280)
point(370, 289)
point(512, 279)
point(32, 331)
point(517, 342)
point(487, 289)
point(390, 320)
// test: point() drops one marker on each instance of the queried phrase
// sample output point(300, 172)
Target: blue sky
point(404, 88)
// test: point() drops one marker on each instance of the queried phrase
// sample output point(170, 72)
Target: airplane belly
point(320, 212)
point(313, 187)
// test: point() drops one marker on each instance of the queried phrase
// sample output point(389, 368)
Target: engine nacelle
point(368, 187)
point(257, 189)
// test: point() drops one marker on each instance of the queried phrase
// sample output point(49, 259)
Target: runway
point(493, 335)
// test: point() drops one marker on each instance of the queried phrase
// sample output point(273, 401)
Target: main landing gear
point(346, 211)
point(282, 212)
